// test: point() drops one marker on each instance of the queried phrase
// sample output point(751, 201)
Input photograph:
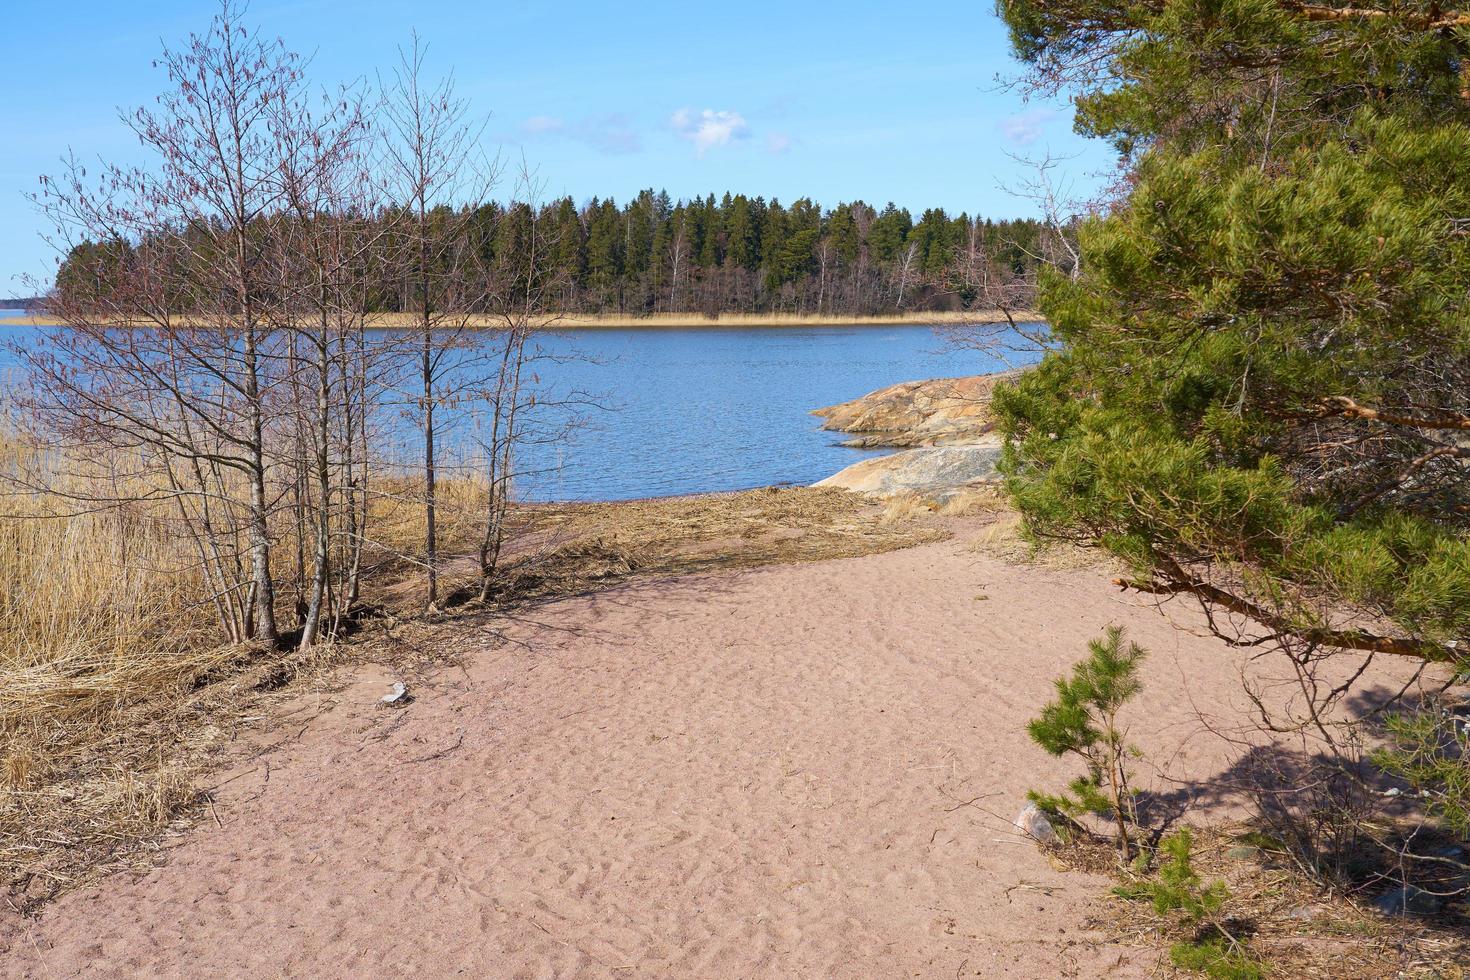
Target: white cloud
point(709, 128)
point(613, 133)
point(538, 125)
point(1025, 128)
point(778, 142)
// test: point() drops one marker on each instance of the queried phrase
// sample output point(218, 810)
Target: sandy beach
point(793, 771)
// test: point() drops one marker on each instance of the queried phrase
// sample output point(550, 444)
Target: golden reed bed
point(673, 321)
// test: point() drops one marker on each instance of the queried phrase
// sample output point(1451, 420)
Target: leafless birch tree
point(437, 180)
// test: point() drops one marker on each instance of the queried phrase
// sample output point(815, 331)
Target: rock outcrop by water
point(946, 420)
point(935, 472)
point(939, 412)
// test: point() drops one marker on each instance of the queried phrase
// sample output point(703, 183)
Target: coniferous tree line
point(737, 254)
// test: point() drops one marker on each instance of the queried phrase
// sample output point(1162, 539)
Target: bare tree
point(524, 280)
point(323, 250)
point(430, 152)
point(1008, 291)
point(679, 254)
point(906, 269)
point(1059, 212)
point(189, 398)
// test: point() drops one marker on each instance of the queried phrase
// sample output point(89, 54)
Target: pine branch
point(1345, 407)
point(1176, 581)
point(1442, 20)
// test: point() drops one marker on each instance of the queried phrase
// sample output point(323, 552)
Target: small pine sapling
point(1178, 888)
point(1430, 750)
point(1083, 721)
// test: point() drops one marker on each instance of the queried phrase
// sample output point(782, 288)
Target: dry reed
point(684, 321)
point(95, 619)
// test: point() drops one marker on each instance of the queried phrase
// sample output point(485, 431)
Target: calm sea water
point(707, 409)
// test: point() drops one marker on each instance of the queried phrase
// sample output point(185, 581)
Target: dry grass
point(89, 604)
point(986, 499)
point(1004, 538)
point(906, 507)
point(1296, 927)
point(98, 647)
point(675, 321)
point(566, 549)
point(104, 786)
point(396, 522)
point(92, 608)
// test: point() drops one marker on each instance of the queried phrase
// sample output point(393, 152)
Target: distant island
point(698, 258)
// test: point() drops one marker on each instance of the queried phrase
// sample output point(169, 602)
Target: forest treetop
point(734, 253)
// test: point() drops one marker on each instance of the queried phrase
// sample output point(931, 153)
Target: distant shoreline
point(675, 321)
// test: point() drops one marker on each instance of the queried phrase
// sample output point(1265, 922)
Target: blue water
point(705, 409)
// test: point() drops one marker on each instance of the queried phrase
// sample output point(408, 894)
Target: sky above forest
point(833, 101)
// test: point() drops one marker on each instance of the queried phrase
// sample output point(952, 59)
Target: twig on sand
point(442, 752)
point(971, 802)
point(388, 729)
point(1024, 885)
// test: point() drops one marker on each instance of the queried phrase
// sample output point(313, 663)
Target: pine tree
point(734, 254)
point(1260, 396)
point(890, 233)
point(569, 249)
point(743, 248)
point(844, 230)
point(605, 252)
point(1083, 721)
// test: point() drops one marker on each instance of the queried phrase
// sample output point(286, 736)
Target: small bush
point(1430, 750)
point(1214, 957)
point(1179, 892)
point(1083, 721)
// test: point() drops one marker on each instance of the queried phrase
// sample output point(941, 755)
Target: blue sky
point(835, 101)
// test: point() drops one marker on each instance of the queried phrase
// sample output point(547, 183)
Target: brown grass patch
point(1296, 927)
point(105, 785)
point(678, 321)
point(566, 549)
point(1004, 538)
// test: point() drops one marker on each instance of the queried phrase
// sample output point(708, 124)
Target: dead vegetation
point(566, 549)
point(1004, 538)
point(102, 786)
point(978, 499)
point(1296, 926)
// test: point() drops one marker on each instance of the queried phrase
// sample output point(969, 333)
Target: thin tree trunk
point(322, 558)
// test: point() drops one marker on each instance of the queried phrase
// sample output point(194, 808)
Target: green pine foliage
point(1179, 888)
point(1083, 721)
point(1430, 750)
point(735, 254)
point(1263, 380)
point(1179, 893)
point(1217, 958)
point(1261, 390)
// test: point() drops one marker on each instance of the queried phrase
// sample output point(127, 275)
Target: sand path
point(779, 772)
